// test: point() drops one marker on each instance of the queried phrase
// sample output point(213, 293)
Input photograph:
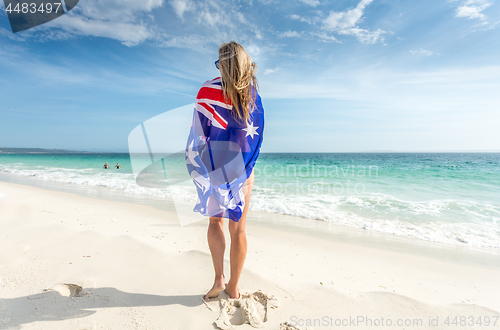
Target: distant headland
point(37, 151)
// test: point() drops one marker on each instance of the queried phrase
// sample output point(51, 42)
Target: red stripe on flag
point(212, 94)
point(216, 116)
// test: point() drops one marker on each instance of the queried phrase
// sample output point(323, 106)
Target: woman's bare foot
point(218, 286)
point(232, 291)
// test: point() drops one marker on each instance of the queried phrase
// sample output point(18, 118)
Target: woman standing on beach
point(223, 147)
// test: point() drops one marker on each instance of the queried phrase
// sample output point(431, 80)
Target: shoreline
point(477, 256)
point(138, 268)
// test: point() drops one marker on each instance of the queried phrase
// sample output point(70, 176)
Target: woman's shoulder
point(210, 89)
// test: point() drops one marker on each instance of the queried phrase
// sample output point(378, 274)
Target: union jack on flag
point(221, 152)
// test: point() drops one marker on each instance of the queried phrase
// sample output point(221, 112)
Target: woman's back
point(222, 150)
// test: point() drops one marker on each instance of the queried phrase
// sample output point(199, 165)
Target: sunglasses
point(217, 64)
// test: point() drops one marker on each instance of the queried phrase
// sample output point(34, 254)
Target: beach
point(74, 262)
point(366, 132)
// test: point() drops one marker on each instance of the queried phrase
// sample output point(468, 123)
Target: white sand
point(71, 262)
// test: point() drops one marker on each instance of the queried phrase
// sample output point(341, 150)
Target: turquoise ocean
point(452, 198)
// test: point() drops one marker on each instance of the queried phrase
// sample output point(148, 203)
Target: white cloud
point(290, 34)
point(115, 10)
point(145, 5)
point(181, 6)
point(473, 9)
point(346, 19)
point(422, 52)
point(342, 23)
point(265, 2)
point(208, 23)
point(313, 3)
point(325, 37)
point(302, 19)
point(213, 13)
point(346, 23)
point(469, 12)
point(253, 50)
point(210, 18)
point(115, 19)
point(194, 42)
point(132, 22)
point(10, 35)
point(364, 36)
point(130, 34)
point(270, 71)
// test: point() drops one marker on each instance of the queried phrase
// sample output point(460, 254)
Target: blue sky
point(334, 76)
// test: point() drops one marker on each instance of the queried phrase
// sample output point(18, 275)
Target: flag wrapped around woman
point(224, 142)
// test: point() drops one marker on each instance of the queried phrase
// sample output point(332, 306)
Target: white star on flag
point(191, 154)
point(251, 130)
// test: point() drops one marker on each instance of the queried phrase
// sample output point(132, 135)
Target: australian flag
point(221, 152)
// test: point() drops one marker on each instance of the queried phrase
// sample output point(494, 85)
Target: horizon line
point(42, 150)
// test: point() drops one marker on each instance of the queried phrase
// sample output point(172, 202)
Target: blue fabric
point(221, 152)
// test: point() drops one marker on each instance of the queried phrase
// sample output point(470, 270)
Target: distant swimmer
point(106, 166)
point(118, 166)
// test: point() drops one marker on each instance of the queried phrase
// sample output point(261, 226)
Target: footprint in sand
point(67, 289)
point(249, 308)
point(288, 326)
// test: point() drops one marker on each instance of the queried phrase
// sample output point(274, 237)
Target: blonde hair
point(238, 77)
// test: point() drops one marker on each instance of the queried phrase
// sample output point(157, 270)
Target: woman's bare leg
point(217, 245)
point(238, 250)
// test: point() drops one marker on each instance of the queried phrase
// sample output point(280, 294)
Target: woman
point(223, 146)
